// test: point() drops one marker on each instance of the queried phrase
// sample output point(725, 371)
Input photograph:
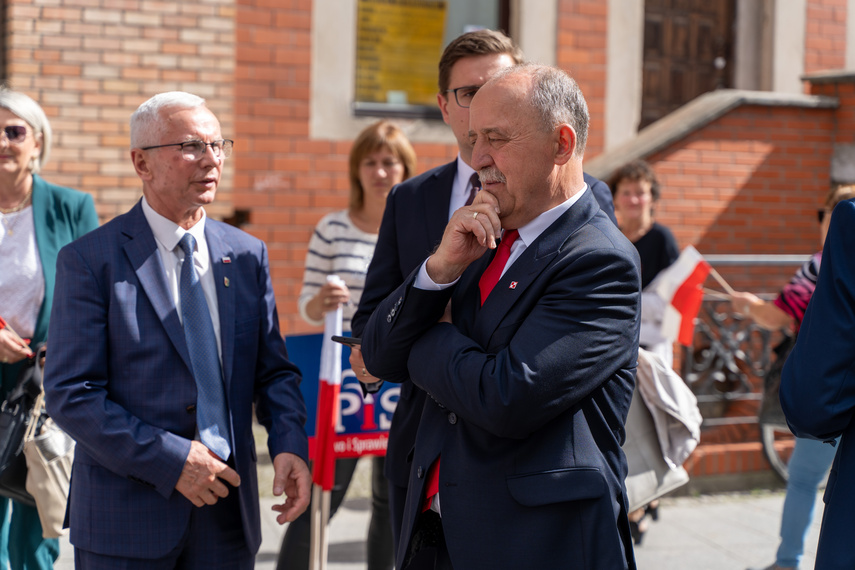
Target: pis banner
point(363, 424)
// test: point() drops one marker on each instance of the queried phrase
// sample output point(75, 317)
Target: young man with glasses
point(164, 334)
point(417, 212)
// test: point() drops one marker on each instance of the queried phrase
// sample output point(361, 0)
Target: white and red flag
point(681, 287)
point(323, 469)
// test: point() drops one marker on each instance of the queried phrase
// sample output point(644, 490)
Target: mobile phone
point(347, 340)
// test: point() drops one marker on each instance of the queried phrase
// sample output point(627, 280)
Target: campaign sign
point(363, 424)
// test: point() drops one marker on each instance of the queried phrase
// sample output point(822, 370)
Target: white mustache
point(491, 175)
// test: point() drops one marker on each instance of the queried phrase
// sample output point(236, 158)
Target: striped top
point(337, 247)
point(795, 296)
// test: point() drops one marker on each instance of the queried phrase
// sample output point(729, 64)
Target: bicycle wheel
point(778, 444)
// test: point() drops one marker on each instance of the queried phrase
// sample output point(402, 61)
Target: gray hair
point(146, 124)
point(32, 113)
point(556, 98)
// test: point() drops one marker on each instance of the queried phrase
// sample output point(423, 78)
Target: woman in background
point(635, 190)
point(811, 458)
point(343, 245)
point(36, 219)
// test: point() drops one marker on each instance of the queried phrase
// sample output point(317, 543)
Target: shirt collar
point(168, 233)
point(532, 230)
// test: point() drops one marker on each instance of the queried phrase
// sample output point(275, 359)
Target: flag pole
point(323, 468)
point(721, 281)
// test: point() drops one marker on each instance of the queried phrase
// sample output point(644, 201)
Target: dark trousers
point(427, 549)
point(294, 552)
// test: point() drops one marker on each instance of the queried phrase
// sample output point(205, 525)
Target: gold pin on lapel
point(226, 281)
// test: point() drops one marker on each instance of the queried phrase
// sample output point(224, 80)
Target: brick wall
point(90, 63)
point(749, 182)
point(582, 34)
point(825, 35)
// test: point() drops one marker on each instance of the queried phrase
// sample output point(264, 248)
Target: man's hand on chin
point(200, 478)
point(292, 477)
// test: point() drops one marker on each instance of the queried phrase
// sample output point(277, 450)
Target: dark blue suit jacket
point(818, 383)
point(528, 398)
point(119, 381)
point(415, 217)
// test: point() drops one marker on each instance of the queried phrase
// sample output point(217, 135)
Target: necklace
point(6, 213)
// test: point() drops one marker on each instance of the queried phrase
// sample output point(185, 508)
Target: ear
point(442, 101)
point(138, 157)
point(565, 144)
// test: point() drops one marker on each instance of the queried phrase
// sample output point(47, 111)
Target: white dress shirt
point(461, 186)
point(167, 234)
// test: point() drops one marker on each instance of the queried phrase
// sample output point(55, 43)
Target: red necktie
point(488, 280)
point(493, 272)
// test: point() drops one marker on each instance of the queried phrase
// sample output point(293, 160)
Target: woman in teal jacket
point(36, 219)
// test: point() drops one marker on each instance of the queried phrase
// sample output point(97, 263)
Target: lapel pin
point(226, 281)
point(227, 260)
point(513, 285)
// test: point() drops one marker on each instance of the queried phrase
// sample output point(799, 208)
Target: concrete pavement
point(711, 532)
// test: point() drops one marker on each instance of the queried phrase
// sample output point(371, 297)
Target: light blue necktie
point(211, 413)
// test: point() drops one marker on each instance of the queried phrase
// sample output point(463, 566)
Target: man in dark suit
point(818, 386)
point(163, 334)
point(517, 461)
point(415, 217)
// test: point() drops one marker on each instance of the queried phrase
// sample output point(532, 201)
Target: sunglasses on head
point(15, 133)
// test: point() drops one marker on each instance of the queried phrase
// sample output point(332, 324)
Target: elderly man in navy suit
point(818, 384)
point(415, 217)
point(527, 350)
point(164, 333)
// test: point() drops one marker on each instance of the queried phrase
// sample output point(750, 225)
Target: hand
point(328, 299)
point(200, 478)
point(446, 316)
point(357, 364)
point(11, 349)
point(470, 232)
point(743, 302)
point(292, 477)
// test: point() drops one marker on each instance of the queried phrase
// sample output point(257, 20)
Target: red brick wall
point(90, 63)
point(749, 182)
point(582, 33)
point(825, 35)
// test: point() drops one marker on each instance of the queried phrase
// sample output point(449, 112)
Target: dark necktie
point(493, 272)
point(476, 185)
point(211, 412)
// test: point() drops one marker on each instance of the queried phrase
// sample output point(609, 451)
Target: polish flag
point(680, 286)
point(323, 469)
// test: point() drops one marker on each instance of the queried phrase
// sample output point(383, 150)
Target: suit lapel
point(222, 264)
point(437, 200)
point(533, 261)
point(141, 250)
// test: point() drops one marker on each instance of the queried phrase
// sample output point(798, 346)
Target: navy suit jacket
point(119, 381)
point(818, 383)
point(528, 398)
point(415, 217)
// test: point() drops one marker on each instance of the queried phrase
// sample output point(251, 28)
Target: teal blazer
point(60, 216)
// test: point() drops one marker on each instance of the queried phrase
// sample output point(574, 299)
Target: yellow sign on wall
point(398, 46)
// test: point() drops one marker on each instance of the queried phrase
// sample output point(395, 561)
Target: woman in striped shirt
point(343, 244)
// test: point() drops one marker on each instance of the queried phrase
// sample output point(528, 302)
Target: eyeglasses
point(15, 134)
point(463, 95)
point(820, 214)
point(194, 150)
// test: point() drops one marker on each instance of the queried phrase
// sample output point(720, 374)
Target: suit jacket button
point(191, 409)
point(452, 418)
point(420, 472)
point(388, 318)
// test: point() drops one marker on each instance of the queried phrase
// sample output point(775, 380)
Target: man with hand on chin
point(164, 333)
point(517, 461)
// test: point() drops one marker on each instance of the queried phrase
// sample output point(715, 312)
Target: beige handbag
point(50, 453)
